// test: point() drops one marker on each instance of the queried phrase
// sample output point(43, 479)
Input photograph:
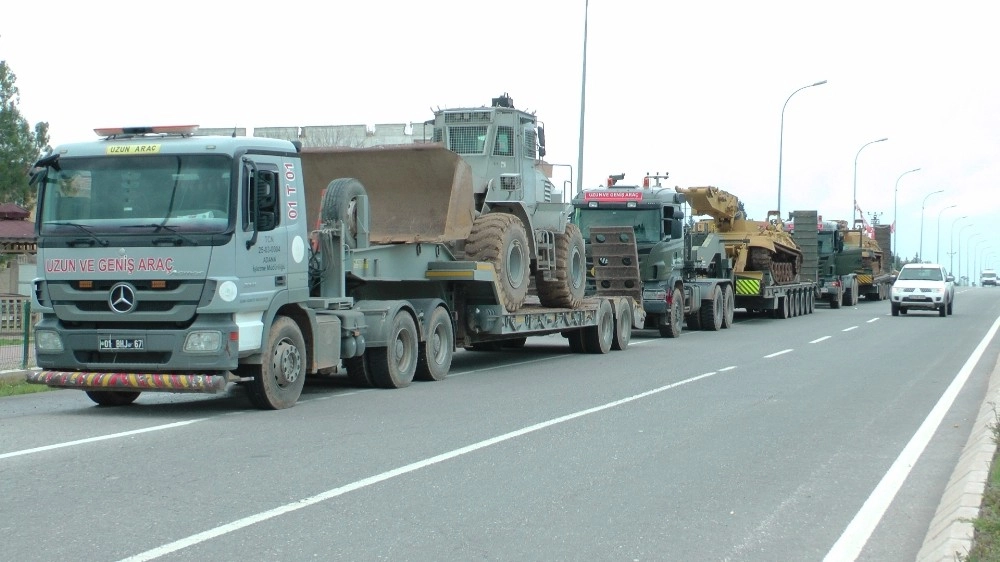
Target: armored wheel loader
point(172, 262)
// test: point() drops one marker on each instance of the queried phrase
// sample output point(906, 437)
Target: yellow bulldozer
point(753, 246)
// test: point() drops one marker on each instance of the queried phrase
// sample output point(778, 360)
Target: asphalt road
point(830, 436)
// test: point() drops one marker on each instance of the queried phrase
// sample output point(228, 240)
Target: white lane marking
point(873, 320)
point(99, 438)
point(860, 529)
point(849, 329)
point(724, 369)
point(777, 353)
point(817, 340)
point(371, 480)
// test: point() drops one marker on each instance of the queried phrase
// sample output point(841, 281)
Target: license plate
point(120, 344)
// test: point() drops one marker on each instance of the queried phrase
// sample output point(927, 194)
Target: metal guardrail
point(17, 350)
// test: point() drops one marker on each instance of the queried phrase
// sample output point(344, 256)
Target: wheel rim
point(435, 345)
point(401, 350)
point(577, 268)
point(287, 363)
point(515, 264)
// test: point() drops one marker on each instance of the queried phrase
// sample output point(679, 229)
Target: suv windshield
point(921, 274)
point(185, 193)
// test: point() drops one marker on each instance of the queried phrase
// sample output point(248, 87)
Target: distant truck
point(849, 264)
point(172, 262)
point(988, 277)
point(690, 275)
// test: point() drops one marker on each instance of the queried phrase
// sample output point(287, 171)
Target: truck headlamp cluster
point(48, 341)
point(202, 342)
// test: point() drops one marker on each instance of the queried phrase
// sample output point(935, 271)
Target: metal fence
point(17, 350)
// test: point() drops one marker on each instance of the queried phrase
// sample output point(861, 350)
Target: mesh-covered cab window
point(529, 143)
point(467, 140)
point(503, 145)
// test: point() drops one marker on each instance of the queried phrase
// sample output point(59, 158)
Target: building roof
point(13, 211)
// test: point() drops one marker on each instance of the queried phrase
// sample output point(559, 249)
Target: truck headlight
point(48, 341)
point(203, 342)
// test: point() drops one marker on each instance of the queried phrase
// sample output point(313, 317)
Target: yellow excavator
point(755, 247)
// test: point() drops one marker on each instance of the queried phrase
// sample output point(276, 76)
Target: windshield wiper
point(93, 237)
point(171, 229)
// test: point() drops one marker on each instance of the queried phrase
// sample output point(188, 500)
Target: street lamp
point(895, 195)
point(938, 259)
point(922, 205)
point(978, 265)
point(960, 245)
point(781, 137)
point(951, 241)
point(967, 244)
point(854, 211)
point(970, 264)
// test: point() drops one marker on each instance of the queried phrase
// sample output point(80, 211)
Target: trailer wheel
point(278, 382)
point(340, 202)
point(566, 290)
point(810, 301)
point(598, 338)
point(434, 359)
point(670, 326)
point(112, 397)
point(712, 312)
point(358, 372)
point(514, 343)
point(835, 302)
point(693, 321)
point(728, 307)
point(393, 366)
point(500, 239)
point(623, 326)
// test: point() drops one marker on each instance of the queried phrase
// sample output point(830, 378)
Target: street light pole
point(895, 225)
point(960, 248)
point(583, 99)
point(970, 264)
point(938, 258)
point(920, 255)
point(854, 210)
point(781, 137)
point(951, 242)
point(967, 244)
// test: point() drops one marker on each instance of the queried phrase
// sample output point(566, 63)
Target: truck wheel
point(566, 290)
point(500, 239)
point(278, 382)
point(434, 359)
point(598, 339)
point(514, 343)
point(670, 326)
point(895, 308)
point(812, 301)
point(358, 372)
point(849, 296)
point(112, 397)
point(340, 202)
point(394, 365)
point(623, 326)
point(693, 321)
point(711, 312)
point(784, 309)
point(728, 306)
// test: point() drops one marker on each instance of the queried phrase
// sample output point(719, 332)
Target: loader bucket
point(417, 192)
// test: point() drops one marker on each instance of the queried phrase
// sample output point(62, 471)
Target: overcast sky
point(695, 89)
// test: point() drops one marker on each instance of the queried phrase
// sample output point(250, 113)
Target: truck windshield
point(188, 193)
point(645, 222)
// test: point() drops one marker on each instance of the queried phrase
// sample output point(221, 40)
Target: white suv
point(924, 286)
point(988, 277)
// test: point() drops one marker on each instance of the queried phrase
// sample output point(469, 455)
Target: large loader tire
point(340, 202)
point(500, 239)
point(394, 365)
point(566, 290)
point(278, 382)
point(434, 359)
point(671, 323)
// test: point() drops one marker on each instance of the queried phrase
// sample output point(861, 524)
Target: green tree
point(20, 146)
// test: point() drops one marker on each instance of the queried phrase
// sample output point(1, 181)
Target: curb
point(949, 537)
point(14, 375)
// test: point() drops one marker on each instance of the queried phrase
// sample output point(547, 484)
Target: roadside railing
point(17, 350)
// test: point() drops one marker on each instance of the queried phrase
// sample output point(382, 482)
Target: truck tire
point(112, 397)
point(434, 358)
point(277, 382)
point(598, 338)
point(712, 311)
point(340, 203)
point(623, 325)
point(500, 239)
point(566, 290)
point(670, 323)
point(358, 372)
point(394, 365)
point(693, 321)
point(576, 341)
point(835, 302)
point(728, 305)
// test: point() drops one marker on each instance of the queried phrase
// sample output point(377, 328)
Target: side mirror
point(950, 278)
